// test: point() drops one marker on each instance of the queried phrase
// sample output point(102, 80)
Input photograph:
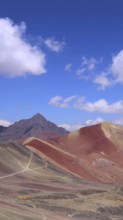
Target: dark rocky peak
point(38, 119)
point(37, 126)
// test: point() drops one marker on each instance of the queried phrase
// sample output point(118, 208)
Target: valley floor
point(35, 189)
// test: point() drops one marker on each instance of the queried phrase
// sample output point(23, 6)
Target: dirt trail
point(21, 171)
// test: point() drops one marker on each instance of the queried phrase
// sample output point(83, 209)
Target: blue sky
point(62, 58)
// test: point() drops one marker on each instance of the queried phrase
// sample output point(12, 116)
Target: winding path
point(21, 171)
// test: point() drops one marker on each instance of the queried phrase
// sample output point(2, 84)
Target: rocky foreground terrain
point(33, 188)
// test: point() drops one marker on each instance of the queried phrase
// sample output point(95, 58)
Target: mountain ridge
point(37, 126)
point(93, 152)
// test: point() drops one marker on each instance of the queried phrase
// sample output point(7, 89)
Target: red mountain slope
point(94, 153)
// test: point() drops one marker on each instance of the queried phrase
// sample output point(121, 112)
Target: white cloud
point(55, 101)
point(113, 74)
point(89, 63)
point(65, 126)
point(100, 106)
point(80, 72)
point(102, 80)
point(54, 45)
point(119, 121)
point(87, 66)
point(93, 122)
point(5, 123)
point(116, 67)
point(60, 102)
point(68, 67)
point(70, 127)
point(17, 56)
point(69, 99)
point(110, 76)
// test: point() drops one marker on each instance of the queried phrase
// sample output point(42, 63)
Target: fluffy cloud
point(55, 100)
point(70, 127)
point(116, 67)
point(17, 56)
point(5, 123)
point(102, 80)
point(54, 45)
point(80, 72)
point(60, 102)
point(87, 66)
point(119, 121)
point(93, 122)
point(89, 63)
point(113, 74)
point(101, 106)
point(68, 67)
point(110, 76)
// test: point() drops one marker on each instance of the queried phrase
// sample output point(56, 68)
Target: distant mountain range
point(37, 126)
point(94, 152)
